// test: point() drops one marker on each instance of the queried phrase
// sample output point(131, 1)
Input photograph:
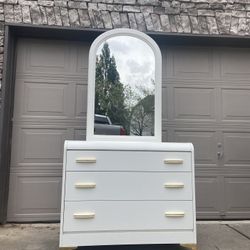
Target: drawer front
point(128, 186)
point(87, 216)
point(128, 161)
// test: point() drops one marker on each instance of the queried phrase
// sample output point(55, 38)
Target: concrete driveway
point(211, 236)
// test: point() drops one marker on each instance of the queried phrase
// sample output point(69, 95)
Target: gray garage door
point(50, 106)
point(206, 100)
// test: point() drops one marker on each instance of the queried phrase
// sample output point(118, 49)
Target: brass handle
point(86, 160)
point(174, 214)
point(173, 161)
point(174, 185)
point(87, 215)
point(85, 185)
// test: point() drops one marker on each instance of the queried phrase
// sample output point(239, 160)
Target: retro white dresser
point(131, 189)
point(127, 193)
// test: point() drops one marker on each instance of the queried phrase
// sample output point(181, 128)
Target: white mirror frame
point(91, 87)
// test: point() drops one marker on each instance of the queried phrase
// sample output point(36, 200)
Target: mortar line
point(238, 231)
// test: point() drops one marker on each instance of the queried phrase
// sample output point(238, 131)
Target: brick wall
point(214, 17)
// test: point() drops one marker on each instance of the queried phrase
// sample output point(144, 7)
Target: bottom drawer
point(127, 216)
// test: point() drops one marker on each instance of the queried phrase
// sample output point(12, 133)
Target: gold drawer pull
point(174, 185)
point(86, 160)
point(174, 214)
point(173, 161)
point(85, 185)
point(84, 215)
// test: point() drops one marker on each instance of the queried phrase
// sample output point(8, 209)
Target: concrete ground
point(211, 236)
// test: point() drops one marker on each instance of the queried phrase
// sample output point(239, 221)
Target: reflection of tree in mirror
point(142, 112)
point(109, 93)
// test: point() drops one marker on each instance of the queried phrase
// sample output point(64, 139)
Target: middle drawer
point(128, 186)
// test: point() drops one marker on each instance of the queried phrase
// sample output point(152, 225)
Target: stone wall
point(182, 16)
point(213, 17)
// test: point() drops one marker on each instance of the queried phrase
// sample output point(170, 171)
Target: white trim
point(91, 87)
point(128, 146)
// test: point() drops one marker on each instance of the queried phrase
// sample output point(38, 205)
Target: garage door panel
point(194, 103)
point(203, 141)
point(235, 64)
point(30, 100)
point(236, 104)
point(34, 196)
point(81, 101)
point(236, 148)
point(165, 100)
point(54, 94)
point(80, 134)
point(36, 145)
point(44, 57)
point(207, 196)
point(237, 200)
point(192, 63)
point(82, 58)
point(165, 137)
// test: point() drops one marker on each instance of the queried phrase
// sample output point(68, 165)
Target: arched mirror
point(124, 87)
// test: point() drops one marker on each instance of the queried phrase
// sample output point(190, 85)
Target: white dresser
point(127, 193)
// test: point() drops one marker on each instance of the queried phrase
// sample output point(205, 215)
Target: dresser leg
point(190, 246)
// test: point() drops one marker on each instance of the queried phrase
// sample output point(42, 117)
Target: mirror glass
point(124, 87)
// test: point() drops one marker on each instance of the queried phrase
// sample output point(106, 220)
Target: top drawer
point(128, 161)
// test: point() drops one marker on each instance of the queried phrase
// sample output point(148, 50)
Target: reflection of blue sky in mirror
point(134, 59)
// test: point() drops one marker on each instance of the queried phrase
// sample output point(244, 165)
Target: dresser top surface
point(142, 146)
